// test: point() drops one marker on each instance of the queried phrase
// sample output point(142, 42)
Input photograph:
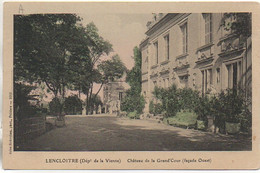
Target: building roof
point(159, 23)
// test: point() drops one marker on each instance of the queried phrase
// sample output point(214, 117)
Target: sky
point(123, 31)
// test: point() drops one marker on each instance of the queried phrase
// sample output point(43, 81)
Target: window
point(218, 75)
point(210, 76)
point(184, 80)
point(234, 75)
point(208, 28)
point(184, 31)
point(204, 81)
point(207, 80)
point(154, 83)
point(194, 79)
point(120, 96)
point(156, 52)
point(167, 47)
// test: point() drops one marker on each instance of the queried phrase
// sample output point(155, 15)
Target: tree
point(111, 69)
point(44, 46)
point(73, 105)
point(241, 23)
point(134, 100)
point(95, 102)
point(97, 47)
point(106, 71)
point(55, 49)
point(134, 76)
point(22, 98)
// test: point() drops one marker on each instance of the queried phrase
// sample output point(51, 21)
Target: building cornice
point(143, 43)
point(234, 52)
point(204, 60)
point(206, 46)
point(165, 20)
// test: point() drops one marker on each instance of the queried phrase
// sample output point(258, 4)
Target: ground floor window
point(154, 84)
point(184, 80)
point(207, 80)
point(234, 74)
point(218, 75)
point(120, 96)
point(165, 83)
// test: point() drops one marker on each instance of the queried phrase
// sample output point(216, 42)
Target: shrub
point(133, 115)
point(188, 99)
point(158, 108)
point(73, 105)
point(133, 101)
point(246, 120)
point(22, 106)
point(55, 106)
point(169, 98)
point(151, 107)
point(231, 105)
point(219, 116)
point(202, 108)
point(155, 108)
point(174, 100)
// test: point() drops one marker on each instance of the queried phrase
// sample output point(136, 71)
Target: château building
point(113, 94)
point(192, 50)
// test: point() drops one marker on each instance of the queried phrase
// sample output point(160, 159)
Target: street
point(110, 133)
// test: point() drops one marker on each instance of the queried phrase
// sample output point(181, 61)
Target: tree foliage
point(134, 76)
point(95, 102)
point(240, 24)
point(56, 107)
point(111, 69)
point(134, 100)
point(44, 44)
point(55, 49)
point(73, 105)
point(174, 100)
point(22, 98)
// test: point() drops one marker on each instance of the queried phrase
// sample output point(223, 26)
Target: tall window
point(167, 47)
point(156, 52)
point(204, 81)
point(210, 76)
point(120, 96)
point(207, 79)
point(184, 31)
point(218, 75)
point(184, 80)
point(234, 75)
point(154, 83)
point(208, 28)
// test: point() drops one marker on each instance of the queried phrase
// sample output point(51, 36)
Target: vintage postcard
point(131, 85)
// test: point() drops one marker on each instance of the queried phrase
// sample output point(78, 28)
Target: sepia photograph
point(99, 86)
point(186, 85)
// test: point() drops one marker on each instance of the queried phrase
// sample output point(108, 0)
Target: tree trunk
point(87, 104)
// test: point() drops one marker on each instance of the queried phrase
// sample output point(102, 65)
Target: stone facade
point(192, 50)
point(113, 93)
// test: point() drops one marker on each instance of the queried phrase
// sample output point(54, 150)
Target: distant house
point(192, 50)
point(113, 93)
